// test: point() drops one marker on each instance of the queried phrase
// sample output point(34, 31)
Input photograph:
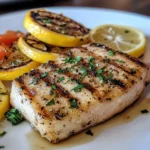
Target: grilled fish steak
point(83, 87)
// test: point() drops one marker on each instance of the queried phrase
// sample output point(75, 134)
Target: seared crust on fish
point(83, 87)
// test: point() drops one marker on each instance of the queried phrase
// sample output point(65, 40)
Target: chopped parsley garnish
point(47, 21)
point(92, 64)
point(72, 60)
point(14, 116)
point(34, 81)
point(84, 72)
point(102, 78)
point(70, 69)
point(73, 103)
point(60, 71)
point(70, 79)
point(60, 79)
point(51, 92)
point(51, 102)
point(100, 71)
point(2, 146)
point(44, 74)
point(2, 134)
point(111, 53)
point(89, 132)
point(133, 71)
point(110, 76)
point(144, 111)
point(53, 87)
point(56, 94)
point(78, 88)
point(120, 61)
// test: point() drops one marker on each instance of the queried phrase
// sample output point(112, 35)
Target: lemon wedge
point(4, 101)
point(123, 38)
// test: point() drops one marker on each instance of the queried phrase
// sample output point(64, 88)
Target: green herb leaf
point(14, 116)
point(53, 87)
point(72, 60)
point(70, 69)
point(47, 21)
point(110, 76)
point(133, 71)
point(92, 64)
point(44, 74)
point(60, 71)
point(70, 79)
point(78, 88)
point(52, 102)
point(111, 53)
point(34, 81)
point(84, 72)
point(51, 92)
point(102, 79)
point(56, 94)
point(100, 71)
point(2, 146)
point(120, 61)
point(60, 79)
point(73, 103)
point(2, 134)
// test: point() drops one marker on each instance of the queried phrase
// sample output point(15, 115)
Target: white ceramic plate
point(128, 131)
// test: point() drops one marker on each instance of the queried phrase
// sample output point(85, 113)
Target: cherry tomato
point(9, 37)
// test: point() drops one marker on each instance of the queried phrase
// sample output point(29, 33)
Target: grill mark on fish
point(135, 60)
point(61, 90)
point(42, 111)
point(93, 73)
point(103, 60)
point(76, 78)
point(59, 22)
point(128, 71)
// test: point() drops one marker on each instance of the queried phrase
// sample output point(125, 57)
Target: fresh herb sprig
point(72, 60)
point(14, 116)
point(78, 88)
point(2, 134)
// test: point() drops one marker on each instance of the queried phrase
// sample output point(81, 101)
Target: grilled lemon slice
point(15, 64)
point(37, 50)
point(4, 100)
point(55, 29)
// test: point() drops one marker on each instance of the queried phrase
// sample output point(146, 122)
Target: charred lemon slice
point(4, 100)
point(15, 64)
point(37, 50)
point(55, 29)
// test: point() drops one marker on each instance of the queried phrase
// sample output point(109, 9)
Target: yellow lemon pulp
point(123, 38)
point(51, 37)
point(4, 101)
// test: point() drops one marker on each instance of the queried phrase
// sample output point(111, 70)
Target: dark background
point(138, 6)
